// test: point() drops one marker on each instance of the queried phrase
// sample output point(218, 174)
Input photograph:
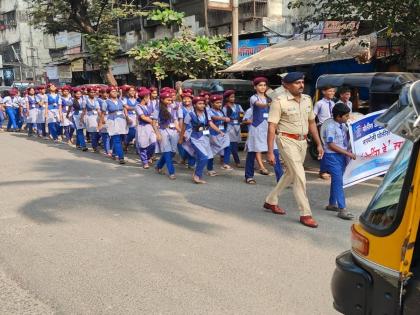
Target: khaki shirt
point(290, 115)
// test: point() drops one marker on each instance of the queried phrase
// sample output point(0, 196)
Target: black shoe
point(84, 149)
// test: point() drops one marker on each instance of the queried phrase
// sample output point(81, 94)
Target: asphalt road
point(82, 235)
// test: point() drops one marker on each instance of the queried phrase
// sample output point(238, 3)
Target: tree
point(186, 56)
point(399, 19)
point(96, 21)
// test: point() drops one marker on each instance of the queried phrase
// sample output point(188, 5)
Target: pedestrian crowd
point(163, 123)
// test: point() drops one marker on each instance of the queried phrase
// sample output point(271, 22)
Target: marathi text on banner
point(375, 148)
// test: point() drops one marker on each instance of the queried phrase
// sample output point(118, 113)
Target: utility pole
point(20, 63)
point(206, 18)
point(235, 31)
point(32, 49)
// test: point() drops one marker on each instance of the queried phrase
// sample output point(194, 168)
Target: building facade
point(261, 23)
point(23, 49)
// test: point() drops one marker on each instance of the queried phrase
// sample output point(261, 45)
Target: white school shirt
point(323, 110)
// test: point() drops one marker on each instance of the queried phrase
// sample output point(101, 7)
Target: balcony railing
point(248, 10)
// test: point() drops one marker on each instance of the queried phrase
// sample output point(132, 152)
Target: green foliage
point(103, 48)
point(185, 56)
point(400, 19)
point(166, 17)
point(95, 20)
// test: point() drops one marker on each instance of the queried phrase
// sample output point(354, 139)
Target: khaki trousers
point(293, 153)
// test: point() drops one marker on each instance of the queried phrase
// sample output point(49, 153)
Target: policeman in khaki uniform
point(291, 117)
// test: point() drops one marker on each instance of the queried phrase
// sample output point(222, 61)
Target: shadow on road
point(81, 185)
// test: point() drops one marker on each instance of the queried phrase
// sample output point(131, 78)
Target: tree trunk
point(109, 77)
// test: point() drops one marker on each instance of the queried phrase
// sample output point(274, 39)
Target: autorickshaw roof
point(377, 82)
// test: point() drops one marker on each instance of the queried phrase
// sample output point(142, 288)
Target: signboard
point(332, 29)
point(52, 72)
point(219, 5)
point(74, 39)
point(383, 51)
point(64, 72)
point(68, 39)
point(77, 65)
point(61, 40)
point(120, 66)
point(375, 148)
point(249, 47)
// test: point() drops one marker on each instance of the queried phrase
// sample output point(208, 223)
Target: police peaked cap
point(293, 76)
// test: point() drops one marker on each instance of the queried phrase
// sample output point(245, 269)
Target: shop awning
point(300, 52)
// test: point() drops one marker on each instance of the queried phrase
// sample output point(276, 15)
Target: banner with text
point(249, 47)
point(375, 148)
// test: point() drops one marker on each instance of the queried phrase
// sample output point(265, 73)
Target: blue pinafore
point(92, 121)
point(200, 140)
point(66, 124)
point(234, 131)
point(116, 125)
point(145, 135)
point(76, 111)
point(168, 144)
point(32, 115)
point(53, 118)
point(131, 106)
point(257, 138)
point(220, 144)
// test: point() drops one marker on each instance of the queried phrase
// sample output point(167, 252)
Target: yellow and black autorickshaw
point(381, 272)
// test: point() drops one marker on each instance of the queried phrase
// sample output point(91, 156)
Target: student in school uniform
point(154, 97)
point(90, 116)
point(323, 110)
point(206, 95)
point(344, 93)
point(76, 114)
point(17, 106)
point(130, 103)
point(185, 108)
point(42, 101)
point(66, 123)
point(83, 89)
point(233, 111)
point(103, 115)
point(8, 101)
point(257, 135)
point(145, 135)
point(20, 108)
point(52, 114)
point(199, 139)
point(31, 110)
point(278, 168)
point(117, 123)
point(219, 141)
point(166, 127)
point(2, 114)
point(335, 158)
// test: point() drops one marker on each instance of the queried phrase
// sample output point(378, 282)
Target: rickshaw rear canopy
point(376, 82)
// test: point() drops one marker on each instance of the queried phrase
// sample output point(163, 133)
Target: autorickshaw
point(370, 91)
point(381, 272)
